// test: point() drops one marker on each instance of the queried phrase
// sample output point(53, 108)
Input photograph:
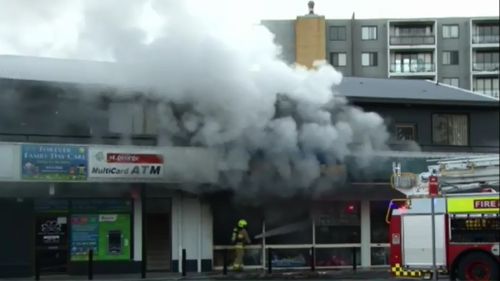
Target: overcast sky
point(52, 27)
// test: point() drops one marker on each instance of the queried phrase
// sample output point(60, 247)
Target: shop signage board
point(125, 164)
point(53, 162)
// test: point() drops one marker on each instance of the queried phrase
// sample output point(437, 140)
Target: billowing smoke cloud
point(274, 125)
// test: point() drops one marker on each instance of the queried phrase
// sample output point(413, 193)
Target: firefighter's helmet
point(242, 223)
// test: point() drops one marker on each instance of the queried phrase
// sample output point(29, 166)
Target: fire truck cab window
point(475, 229)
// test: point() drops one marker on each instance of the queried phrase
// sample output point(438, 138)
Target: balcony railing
point(485, 39)
point(412, 40)
point(486, 66)
point(412, 68)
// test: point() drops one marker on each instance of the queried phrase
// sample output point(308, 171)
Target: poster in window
point(51, 231)
point(108, 235)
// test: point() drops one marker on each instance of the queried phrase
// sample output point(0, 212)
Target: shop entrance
point(158, 234)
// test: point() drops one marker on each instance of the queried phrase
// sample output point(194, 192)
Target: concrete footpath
point(360, 274)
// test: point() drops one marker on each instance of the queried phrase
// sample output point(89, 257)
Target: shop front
point(125, 205)
point(332, 232)
point(67, 229)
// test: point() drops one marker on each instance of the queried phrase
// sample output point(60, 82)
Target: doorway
point(158, 235)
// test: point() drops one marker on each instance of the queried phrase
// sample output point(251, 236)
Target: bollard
point(269, 261)
point(313, 260)
point(37, 265)
point(354, 263)
point(90, 265)
point(224, 260)
point(143, 268)
point(184, 262)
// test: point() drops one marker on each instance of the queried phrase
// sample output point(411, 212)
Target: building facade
point(461, 52)
point(82, 168)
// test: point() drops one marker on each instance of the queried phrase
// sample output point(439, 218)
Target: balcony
point(412, 68)
point(486, 66)
point(412, 39)
point(485, 39)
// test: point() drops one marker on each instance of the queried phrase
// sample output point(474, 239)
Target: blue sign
point(84, 235)
point(54, 162)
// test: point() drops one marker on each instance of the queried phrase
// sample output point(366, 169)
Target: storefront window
point(225, 218)
point(290, 257)
point(379, 229)
point(380, 255)
point(337, 222)
point(337, 256)
point(288, 224)
point(253, 257)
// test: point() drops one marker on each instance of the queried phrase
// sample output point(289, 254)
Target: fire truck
point(449, 221)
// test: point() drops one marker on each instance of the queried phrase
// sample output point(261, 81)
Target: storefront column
point(138, 229)
point(365, 234)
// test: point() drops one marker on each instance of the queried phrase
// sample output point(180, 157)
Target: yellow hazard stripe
point(400, 271)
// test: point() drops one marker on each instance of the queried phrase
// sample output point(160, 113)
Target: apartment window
point(486, 33)
point(487, 86)
point(486, 61)
point(450, 129)
point(411, 62)
point(450, 31)
point(405, 132)
point(337, 33)
point(369, 33)
point(369, 59)
point(451, 81)
point(338, 59)
point(450, 57)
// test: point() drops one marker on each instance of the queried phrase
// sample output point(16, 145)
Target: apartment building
point(461, 52)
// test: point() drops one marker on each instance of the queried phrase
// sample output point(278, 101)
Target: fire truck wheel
point(477, 266)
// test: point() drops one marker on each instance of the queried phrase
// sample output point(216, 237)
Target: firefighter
point(240, 238)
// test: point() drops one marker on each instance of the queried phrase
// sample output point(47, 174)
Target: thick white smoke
point(230, 91)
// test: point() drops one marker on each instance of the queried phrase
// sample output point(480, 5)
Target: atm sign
point(486, 204)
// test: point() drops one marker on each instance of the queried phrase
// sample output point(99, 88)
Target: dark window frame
point(338, 34)
point(450, 78)
point(370, 26)
point(332, 54)
point(407, 125)
point(456, 114)
point(452, 56)
point(372, 58)
point(450, 25)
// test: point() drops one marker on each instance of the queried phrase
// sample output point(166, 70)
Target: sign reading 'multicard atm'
point(483, 204)
point(117, 163)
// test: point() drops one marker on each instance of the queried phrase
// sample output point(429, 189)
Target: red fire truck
point(440, 229)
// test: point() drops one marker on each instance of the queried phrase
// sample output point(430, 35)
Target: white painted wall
point(191, 229)
point(365, 234)
point(10, 162)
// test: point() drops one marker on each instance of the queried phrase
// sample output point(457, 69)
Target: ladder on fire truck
point(455, 175)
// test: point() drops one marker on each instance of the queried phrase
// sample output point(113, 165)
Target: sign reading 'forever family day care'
point(53, 162)
point(116, 164)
